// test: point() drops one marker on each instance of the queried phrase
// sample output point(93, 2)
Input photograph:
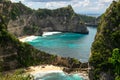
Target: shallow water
point(67, 44)
point(57, 76)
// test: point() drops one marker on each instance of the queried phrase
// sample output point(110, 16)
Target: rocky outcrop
point(103, 60)
point(22, 20)
point(24, 25)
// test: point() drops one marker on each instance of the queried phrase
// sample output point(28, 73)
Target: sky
point(79, 6)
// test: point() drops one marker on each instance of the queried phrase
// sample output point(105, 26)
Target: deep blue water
point(67, 44)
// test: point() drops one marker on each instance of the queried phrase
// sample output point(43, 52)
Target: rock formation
point(22, 20)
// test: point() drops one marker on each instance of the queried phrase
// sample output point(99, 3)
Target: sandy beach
point(27, 38)
point(43, 68)
point(32, 37)
point(46, 69)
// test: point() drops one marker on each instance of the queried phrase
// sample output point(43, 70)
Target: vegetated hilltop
point(22, 20)
point(105, 52)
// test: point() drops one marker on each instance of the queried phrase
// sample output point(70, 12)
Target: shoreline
point(43, 68)
point(49, 33)
point(33, 37)
point(46, 69)
point(27, 38)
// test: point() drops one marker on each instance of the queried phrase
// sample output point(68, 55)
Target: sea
point(67, 45)
point(57, 76)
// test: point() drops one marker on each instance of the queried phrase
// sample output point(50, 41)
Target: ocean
point(67, 44)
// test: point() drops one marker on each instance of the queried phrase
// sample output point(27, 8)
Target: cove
point(67, 44)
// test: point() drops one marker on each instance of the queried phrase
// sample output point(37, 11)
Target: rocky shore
point(46, 69)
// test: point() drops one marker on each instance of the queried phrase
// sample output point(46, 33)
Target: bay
point(67, 44)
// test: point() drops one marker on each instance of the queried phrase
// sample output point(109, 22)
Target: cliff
point(104, 61)
point(22, 20)
point(89, 20)
point(15, 54)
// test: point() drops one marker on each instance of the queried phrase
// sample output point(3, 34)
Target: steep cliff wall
point(104, 62)
point(22, 20)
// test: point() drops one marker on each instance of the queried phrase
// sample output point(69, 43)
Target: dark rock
point(106, 76)
point(84, 65)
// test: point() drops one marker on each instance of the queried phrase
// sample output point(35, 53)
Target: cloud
point(79, 6)
point(17, 0)
point(13, 0)
point(30, 4)
point(47, 0)
point(54, 5)
point(78, 3)
point(105, 1)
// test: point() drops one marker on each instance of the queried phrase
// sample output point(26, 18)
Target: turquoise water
point(67, 44)
point(58, 76)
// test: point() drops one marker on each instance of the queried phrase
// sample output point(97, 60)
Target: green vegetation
point(106, 40)
point(33, 22)
point(67, 12)
point(115, 60)
point(15, 10)
point(60, 12)
point(16, 75)
point(23, 53)
point(4, 0)
point(15, 54)
point(30, 30)
point(87, 19)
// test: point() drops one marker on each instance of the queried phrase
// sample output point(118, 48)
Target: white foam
point(28, 38)
point(42, 74)
point(48, 72)
point(50, 33)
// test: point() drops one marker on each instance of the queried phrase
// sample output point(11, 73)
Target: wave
point(50, 33)
point(56, 75)
point(28, 38)
point(42, 75)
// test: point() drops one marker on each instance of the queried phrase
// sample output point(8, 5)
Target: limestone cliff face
point(25, 21)
point(106, 41)
point(63, 19)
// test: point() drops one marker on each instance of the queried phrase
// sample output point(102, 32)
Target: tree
point(115, 60)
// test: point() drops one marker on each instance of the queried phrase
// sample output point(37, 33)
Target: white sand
point(41, 70)
point(32, 37)
point(50, 33)
point(44, 69)
point(27, 38)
